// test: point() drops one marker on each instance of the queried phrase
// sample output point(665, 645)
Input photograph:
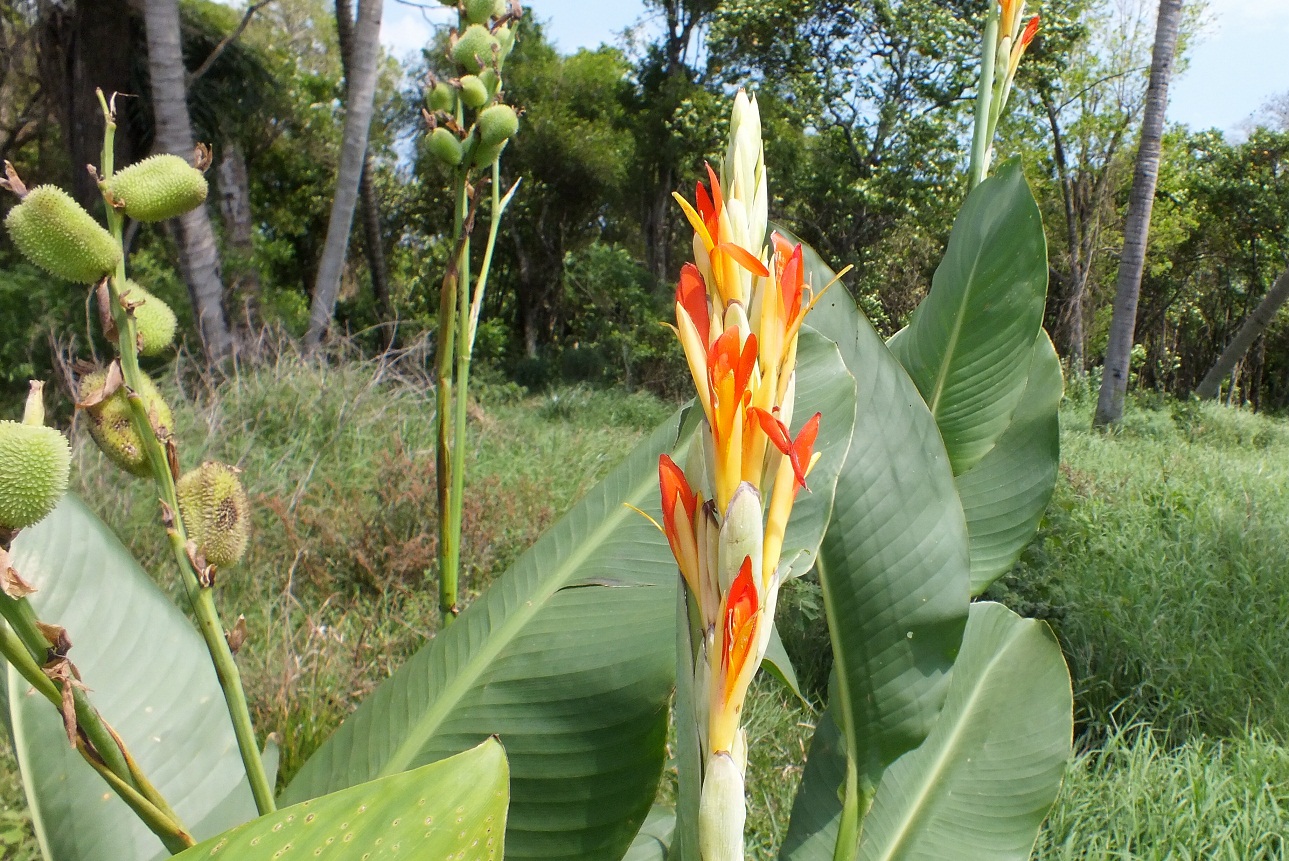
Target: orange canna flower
point(1030, 29)
point(738, 634)
point(797, 451)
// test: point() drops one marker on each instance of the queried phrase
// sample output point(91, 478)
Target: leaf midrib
point(955, 333)
point(500, 637)
point(935, 773)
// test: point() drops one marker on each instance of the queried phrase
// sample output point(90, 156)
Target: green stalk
point(981, 134)
point(445, 455)
point(200, 597)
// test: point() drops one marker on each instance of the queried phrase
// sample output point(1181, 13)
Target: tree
point(1114, 383)
point(198, 254)
point(1254, 325)
point(361, 91)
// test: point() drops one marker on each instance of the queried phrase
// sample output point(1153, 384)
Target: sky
point(1239, 62)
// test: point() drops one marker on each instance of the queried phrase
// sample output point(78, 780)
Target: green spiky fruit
point(58, 235)
point(443, 98)
point(445, 146)
point(473, 51)
point(158, 188)
point(479, 11)
point(215, 512)
point(505, 37)
point(153, 318)
point(496, 124)
point(34, 463)
point(486, 154)
point(110, 425)
point(474, 92)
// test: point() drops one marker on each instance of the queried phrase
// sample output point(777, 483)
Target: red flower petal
point(691, 293)
point(739, 634)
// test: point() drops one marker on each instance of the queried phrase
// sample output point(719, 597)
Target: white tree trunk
point(1250, 329)
point(353, 151)
point(1114, 383)
point(198, 255)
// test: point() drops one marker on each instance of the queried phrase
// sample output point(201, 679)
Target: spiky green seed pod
point(216, 512)
point(34, 463)
point(445, 146)
point(158, 188)
point(505, 37)
point(474, 92)
point(497, 123)
point(479, 11)
point(443, 98)
point(473, 51)
point(110, 425)
point(485, 154)
point(58, 235)
point(153, 318)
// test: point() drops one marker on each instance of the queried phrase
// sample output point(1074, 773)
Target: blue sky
point(1240, 61)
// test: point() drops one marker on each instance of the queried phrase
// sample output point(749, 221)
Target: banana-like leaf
point(983, 781)
point(147, 671)
point(569, 658)
point(654, 840)
point(968, 344)
point(894, 562)
point(816, 811)
point(1004, 495)
point(454, 808)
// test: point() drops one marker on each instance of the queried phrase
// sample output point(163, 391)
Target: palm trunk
point(1254, 325)
point(353, 152)
point(235, 207)
point(198, 255)
point(1114, 383)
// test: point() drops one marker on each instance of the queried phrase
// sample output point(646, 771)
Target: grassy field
point(1163, 565)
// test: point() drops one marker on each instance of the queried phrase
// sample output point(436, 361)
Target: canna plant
point(908, 475)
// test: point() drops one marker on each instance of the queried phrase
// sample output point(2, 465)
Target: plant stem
point(981, 134)
point(199, 595)
point(445, 455)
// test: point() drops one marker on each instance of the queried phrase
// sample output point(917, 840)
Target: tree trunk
point(235, 208)
point(1114, 383)
point(361, 96)
point(372, 244)
point(198, 255)
point(1253, 326)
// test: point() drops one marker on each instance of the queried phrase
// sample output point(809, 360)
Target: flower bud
point(474, 92)
point(110, 421)
point(216, 512)
point(34, 464)
point(158, 188)
point(473, 50)
point(154, 320)
point(741, 536)
point(722, 810)
point(58, 235)
point(445, 146)
point(496, 124)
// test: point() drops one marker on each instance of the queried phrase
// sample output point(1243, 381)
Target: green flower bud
point(34, 464)
point(443, 98)
point(445, 146)
point(479, 11)
point(158, 188)
point(474, 92)
point(722, 810)
point(473, 50)
point(110, 424)
point(497, 124)
point(58, 235)
point(153, 318)
point(741, 535)
point(216, 512)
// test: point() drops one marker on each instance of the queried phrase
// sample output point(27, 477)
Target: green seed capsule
point(445, 146)
point(443, 98)
point(58, 235)
point(479, 11)
point(497, 123)
point(474, 92)
point(158, 188)
point(34, 464)
point(473, 51)
point(154, 320)
point(491, 80)
point(485, 154)
point(110, 423)
point(216, 512)
point(505, 37)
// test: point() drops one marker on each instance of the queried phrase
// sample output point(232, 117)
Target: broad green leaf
point(968, 344)
point(148, 673)
point(654, 840)
point(983, 781)
point(777, 663)
point(568, 658)
point(1004, 495)
point(894, 563)
point(816, 811)
point(451, 809)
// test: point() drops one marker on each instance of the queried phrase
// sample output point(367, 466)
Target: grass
point(1161, 564)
